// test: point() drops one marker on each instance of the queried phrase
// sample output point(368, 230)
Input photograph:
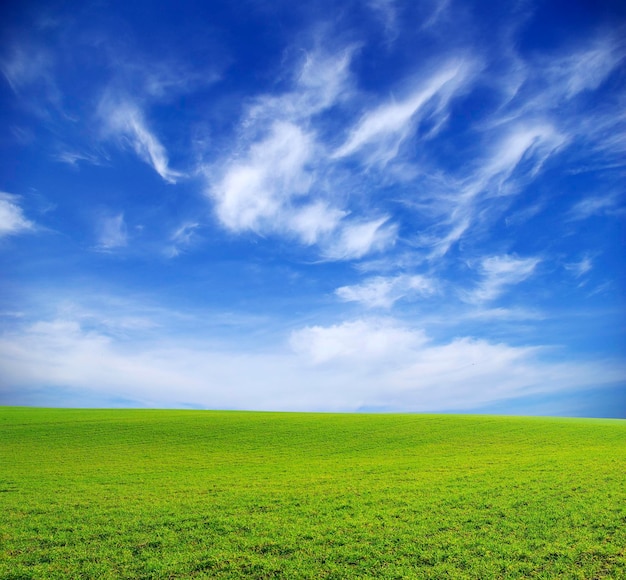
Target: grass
point(197, 494)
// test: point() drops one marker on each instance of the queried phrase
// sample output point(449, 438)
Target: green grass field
point(199, 494)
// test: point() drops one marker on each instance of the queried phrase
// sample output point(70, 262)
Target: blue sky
point(321, 206)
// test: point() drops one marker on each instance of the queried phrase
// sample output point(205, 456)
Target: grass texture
point(203, 494)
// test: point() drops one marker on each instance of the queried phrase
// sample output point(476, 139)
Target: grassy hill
point(177, 494)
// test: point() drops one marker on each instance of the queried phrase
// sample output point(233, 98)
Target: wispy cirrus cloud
point(29, 70)
point(553, 81)
point(282, 175)
point(124, 120)
point(112, 233)
point(455, 162)
point(457, 204)
point(539, 118)
point(585, 68)
point(380, 132)
point(503, 314)
point(278, 180)
point(581, 267)
point(12, 218)
point(76, 158)
point(499, 273)
point(286, 175)
point(355, 239)
point(387, 11)
point(525, 143)
point(595, 205)
point(160, 81)
point(181, 238)
point(319, 81)
point(384, 291)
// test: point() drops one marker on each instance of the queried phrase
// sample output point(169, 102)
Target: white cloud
point(268, 182)
point(498, 272)
point(580, 268)
point(12, 219)
point(181, 238)
point(586, 68)
point(388, 13)
point(164, 79)
point(293, 182)
point(257, 190)
point(269, 190)
point(380, 132)
point(323, 80)
point(342, 367)
point(531, 142)
point(112, 232)
point(537, 119)
point(519, 153)
point(383, 292)
point(30, 70)
point(461, 220)
point(27, 66)
point(73, 158)
point(439, 11)
point(278, 178)
point(356, 239)
point(550, 83)
point(605, 131)
point(124, 119)
point(504, 314)
point(316, 221)
point(523, 215)
point(413, 374)
point(594, 205)
point(359, 339)
point(319, 82)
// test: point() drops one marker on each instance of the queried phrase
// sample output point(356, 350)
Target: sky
point(367, 205)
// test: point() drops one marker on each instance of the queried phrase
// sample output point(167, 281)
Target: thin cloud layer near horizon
point(357, 206)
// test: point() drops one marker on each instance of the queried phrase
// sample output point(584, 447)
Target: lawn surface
point(202, 494)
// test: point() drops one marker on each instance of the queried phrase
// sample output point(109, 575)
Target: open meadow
point(203, 494)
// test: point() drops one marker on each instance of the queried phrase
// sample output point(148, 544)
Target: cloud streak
point(124, 120)
point(12, 218)
point(29, 70)
point(384, 292)
point(586, 68)
point(380, 132)
point(500, 273)
point(112, 233)
point(595, 205)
